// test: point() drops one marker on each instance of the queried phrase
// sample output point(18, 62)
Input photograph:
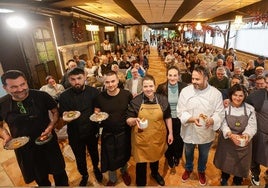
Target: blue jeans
point(203, 150)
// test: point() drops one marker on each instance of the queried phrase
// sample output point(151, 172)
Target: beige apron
point(150, 144)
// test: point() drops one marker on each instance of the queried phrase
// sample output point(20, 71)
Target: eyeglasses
point(21, 108)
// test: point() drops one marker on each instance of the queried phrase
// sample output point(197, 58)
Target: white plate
point(70, 115)
point(99, 116)
point(16, 143)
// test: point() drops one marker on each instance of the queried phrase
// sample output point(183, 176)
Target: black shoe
point(158, 179)
point(83, 182)
point(98, 174)
point(224, 182)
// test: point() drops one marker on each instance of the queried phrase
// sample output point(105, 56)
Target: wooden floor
point(10, 174)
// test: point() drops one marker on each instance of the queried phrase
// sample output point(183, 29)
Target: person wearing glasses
point(26, 113)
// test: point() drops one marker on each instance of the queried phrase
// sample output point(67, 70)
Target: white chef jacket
point(193, 102)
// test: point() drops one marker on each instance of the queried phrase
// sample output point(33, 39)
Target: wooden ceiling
point(132, 12)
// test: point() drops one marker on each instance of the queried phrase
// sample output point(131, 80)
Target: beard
point(78, 88)
point(20, 95)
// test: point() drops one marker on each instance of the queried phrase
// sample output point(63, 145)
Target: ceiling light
point(4, 10)
point(198, 26)
point(108, 28)
point(238, 23)
point(16, 22)
point(166, 29)
point(92, 27)
point(185, 28)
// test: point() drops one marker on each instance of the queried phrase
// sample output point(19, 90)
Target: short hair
point(239, 77)
point(260, 77)
point(70, 61)
point(221, 69)
point(202, 70)
point(173, 67)
point(76, 71)
point(12, 74)
point(110, 73)
point(49, 77)
point(235, 88)
point(148, 77)
point(114, 65)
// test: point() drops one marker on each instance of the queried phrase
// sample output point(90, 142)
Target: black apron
point(260, 140)
point(115, 149)
point(230, 158)
point(35, 161)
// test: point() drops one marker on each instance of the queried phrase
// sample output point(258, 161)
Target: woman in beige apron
point(149, 144)
point(233, 155)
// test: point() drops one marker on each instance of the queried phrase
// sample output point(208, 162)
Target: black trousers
point(175, 149)
point(141, 172)
point(61, 179)
point(255, 168)
point(236, 180)
point(79, 147)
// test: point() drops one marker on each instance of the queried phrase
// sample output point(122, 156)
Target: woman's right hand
point(235, 139)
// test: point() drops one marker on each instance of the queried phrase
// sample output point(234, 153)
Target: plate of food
point(98, 117)
point(43, 139)
point(16, 143)
point(70, 115)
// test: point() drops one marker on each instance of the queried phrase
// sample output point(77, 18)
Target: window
point(44, 45)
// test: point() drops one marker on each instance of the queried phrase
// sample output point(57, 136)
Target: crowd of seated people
point(186, 56)
point(122, 60)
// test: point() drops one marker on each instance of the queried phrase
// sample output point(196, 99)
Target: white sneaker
point(255, 180)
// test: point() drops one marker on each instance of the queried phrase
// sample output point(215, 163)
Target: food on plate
point(203, 116)
point(100, 116)
point(16, 144)
point(44, 137)
point(71, 114)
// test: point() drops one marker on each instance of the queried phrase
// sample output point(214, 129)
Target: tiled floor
point(10, 174)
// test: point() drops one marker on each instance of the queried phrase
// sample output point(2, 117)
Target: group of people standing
point(179, 116)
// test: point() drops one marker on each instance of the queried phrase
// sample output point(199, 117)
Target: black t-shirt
point(83, 101)
point(116, 107)
point(35, 119)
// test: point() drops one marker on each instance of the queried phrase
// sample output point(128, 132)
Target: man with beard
point(26, 113)
point(115, 143)
point(197, 102)
point(81, 132)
